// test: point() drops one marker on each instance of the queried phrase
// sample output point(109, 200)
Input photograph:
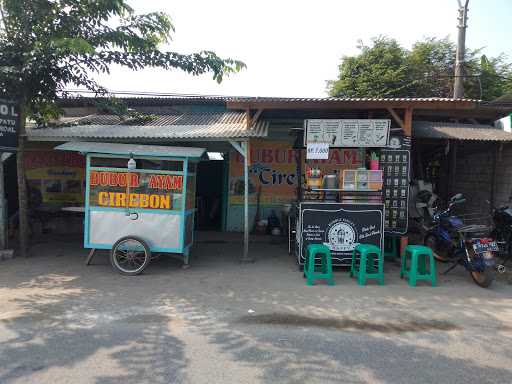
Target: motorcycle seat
point(475, 229)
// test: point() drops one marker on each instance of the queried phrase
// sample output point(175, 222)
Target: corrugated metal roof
point(135, 149)
point(345, 99)
point(456, 131)
point(204, 125)
point(222, 100)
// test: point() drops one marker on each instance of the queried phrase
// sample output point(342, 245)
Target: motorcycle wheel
point(484, 279)
point(431, 242)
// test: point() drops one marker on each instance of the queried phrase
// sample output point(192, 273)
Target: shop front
point(354, 190)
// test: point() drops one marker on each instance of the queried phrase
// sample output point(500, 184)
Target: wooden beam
point(248, 120)
point(256, 117)
point(408, 122)
point(396, 117)
point(295, 104)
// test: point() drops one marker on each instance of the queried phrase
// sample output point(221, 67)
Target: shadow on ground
point(90, 321)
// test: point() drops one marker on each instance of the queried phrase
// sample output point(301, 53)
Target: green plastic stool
point(391, 247)
point(418, 265)
point(325, 267)
point(365, 269)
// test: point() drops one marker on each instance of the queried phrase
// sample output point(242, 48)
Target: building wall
point(273, 176)
point(474, 175)
point(503, 186)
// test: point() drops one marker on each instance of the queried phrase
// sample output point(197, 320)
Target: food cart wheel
point(130, 255)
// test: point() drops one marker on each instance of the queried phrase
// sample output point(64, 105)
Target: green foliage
point(46, 45)
point(378, 71)
point(386, 69)
point(127, 115)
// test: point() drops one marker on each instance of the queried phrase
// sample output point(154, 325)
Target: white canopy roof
point(131, 149)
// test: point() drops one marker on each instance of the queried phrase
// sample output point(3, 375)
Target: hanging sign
point(348, 133)
point(317, 151)
point(9, 123)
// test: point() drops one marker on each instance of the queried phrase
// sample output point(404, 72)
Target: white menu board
point(348, 133)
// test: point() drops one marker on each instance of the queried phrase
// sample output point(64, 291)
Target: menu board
point(348, 133)
point(395, 162)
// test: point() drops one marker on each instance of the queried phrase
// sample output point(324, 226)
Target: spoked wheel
point(431, 242)
point(130, 255)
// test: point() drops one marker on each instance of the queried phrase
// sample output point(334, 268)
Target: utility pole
point(458, 85)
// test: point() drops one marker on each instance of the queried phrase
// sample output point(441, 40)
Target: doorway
point(209, 194)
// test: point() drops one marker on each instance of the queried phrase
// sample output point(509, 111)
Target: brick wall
point(474, 174)
point(503, 186)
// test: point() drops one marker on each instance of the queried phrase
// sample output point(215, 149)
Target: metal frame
point(243, 148)
point(183, 212)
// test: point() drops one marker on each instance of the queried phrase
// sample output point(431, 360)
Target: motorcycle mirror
point(456, 197)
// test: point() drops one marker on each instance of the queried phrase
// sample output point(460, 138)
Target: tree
point(46, 45)
point(385, 69)
point(380, 70)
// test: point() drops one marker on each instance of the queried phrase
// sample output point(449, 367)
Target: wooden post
point(3, 218)
point(408, 122)
point(493, 174)
point(22, 187)
point(453, 168)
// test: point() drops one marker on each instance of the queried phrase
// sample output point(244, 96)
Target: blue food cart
point(139, 201)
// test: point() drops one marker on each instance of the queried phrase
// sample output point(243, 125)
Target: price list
point(395, 164)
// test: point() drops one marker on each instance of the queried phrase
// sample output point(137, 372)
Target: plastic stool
point(365, 269)
point(418, 265)
point(310, 263)
point(391, 247)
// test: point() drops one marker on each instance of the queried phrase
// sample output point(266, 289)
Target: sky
point(291, 48)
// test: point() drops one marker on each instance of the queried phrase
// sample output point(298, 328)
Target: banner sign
point(340, 227)
point(273, 171)
point(317, 151)
point(9, 124)
point(146, 190)
point(348, 133)
point(56, 177)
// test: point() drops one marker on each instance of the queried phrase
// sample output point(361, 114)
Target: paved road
point(222, 322)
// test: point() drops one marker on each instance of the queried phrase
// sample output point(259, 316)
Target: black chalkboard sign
point(9, 122)
point(339, 226)
point(395, 161)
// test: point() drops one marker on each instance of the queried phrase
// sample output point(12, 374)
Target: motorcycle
point(468, 245)
point(502, 220)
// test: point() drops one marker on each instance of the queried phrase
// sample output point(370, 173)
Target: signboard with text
point(57, 177)
point(135, 190)
point(317, 151)
point(273, 171)
point(340, 227)
point(9, 124)
point(348, 132)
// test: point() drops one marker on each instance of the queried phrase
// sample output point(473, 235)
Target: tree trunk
point(22, 187)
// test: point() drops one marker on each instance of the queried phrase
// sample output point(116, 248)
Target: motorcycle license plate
point(490, 246)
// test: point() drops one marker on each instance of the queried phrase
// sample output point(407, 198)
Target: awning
point(132, 149)
point(456, 131)
point(229, 125)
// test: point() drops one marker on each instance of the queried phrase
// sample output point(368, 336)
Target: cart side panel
point(161, 231)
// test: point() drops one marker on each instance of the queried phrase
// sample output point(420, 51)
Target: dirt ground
point(225, 322)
